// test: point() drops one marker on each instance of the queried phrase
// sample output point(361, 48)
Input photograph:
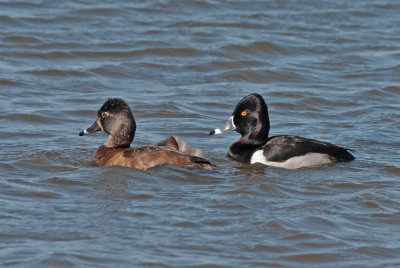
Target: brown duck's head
point(116, 119)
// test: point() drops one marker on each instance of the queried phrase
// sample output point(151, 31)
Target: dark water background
point(329, 70)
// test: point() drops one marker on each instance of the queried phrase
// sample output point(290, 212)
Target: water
point(328, 70)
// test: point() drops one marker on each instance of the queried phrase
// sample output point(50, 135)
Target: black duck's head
point(250, 119)
point(116, 119)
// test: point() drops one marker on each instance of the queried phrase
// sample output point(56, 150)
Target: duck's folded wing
point(281, 148)
point(146, 157)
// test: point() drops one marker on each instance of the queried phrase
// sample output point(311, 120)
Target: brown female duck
point(116, 119)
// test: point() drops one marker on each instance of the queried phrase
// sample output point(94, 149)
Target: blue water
point(328, 71)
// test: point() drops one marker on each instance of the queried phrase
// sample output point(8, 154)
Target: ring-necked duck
point(116, 119)
point(250, 118)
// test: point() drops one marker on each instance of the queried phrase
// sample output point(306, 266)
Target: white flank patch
point(307, 160)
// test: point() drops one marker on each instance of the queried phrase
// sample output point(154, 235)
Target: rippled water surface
point(329, 70)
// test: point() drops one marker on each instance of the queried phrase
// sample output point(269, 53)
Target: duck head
point(250, 119)
point(116, 119)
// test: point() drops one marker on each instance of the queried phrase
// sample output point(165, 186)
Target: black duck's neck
point(257, 136)
point(257, 130)
point(241, 151)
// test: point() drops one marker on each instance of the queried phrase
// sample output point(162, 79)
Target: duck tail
point(202, 163)
point(344, 155)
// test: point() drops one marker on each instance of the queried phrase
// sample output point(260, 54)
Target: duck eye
point(104, 114)
point(244, 113)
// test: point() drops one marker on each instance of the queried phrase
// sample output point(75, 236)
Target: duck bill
point(92, 129)
point(229, 125)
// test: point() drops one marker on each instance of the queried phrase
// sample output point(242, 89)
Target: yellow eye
point(104, 114)
point(244, 113)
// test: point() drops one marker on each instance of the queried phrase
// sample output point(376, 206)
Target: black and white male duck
point(250, 119)
point(116, 119)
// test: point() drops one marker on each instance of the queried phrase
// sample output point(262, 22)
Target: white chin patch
point(303, 161)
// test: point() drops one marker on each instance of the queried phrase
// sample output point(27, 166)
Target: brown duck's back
point(175, 143)
point(146, 157)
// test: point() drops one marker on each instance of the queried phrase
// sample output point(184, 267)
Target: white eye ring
point(104, 114)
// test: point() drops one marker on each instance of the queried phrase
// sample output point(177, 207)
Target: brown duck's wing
point(175, 143)
point(146, 157)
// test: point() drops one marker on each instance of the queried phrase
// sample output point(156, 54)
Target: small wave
point(312, 257)
point(106, 11)
point(4, 82)
point(64, 181)
point(10, 21)
point(111, 71)
point(32, 118)
point(50, 161)
point(392, 89)
point(22, 39)
point(38, 194)
point(60, 73)
point(392, 169)
point(44, 55)
point(187, 224)
point(58, 46)
point(184, 5)
point(168, 52)
point(239, 25)
point(255, 48)
point(260, 76)
point(237, 64)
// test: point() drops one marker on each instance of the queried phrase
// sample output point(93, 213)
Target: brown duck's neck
point(117, 142)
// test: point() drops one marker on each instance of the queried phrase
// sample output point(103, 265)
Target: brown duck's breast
point(106, 156)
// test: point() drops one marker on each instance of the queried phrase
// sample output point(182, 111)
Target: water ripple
point(328, 70)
